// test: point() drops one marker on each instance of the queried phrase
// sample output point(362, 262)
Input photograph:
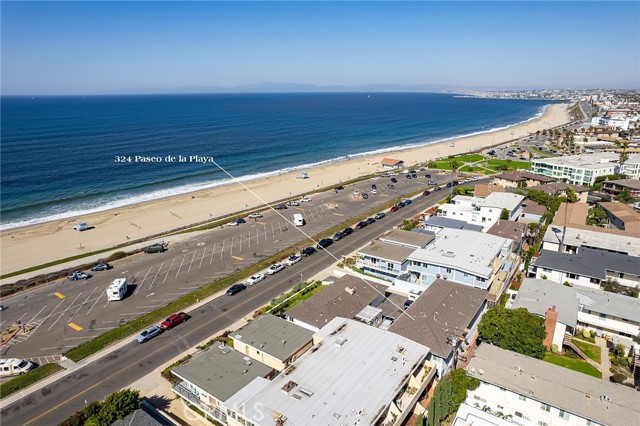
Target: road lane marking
point(237, 257)
point(76, 327)
point(59, 295)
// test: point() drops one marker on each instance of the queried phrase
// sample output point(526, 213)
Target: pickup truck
point(154, 248)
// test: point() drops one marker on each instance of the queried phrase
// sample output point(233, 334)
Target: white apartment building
point(580, 169)
point(482, 211)
point(531, 392)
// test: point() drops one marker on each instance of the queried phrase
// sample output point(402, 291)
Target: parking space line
point(338, 214)
point(53, 347)
point(36, 315)
point(168, 270)
point(62, 313)
point(212, 251)
point(249, 239)
point(75, 326)
point(139, 286)
point(59, 295)
point(240, 242)
point(231, 249)
point(222, 251)
point(83, 303)
point(176, 294)
point(203, 254)
point(237, 257)
point(156, 275)
point(135, 313)
point(273, 231)
point(51, 314)
point(180, 267)
point(96, 302)
point(192, 259)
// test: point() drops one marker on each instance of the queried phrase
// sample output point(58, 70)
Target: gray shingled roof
point(407, 238)
point(443, 311)
point(508, 229)
point(539, 295)
point(609, 303)
point(445, 222)
point(589, 262)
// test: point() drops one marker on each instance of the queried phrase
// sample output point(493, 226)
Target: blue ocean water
point(59, 154)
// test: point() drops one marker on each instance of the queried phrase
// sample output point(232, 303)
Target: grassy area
point(573, 364)
point(495, 163)
point(476, 169)
point(444, 164)
point(28, 379)
point(592, 351)
point(541, 152)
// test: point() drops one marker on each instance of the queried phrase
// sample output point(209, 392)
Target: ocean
point(64, 156)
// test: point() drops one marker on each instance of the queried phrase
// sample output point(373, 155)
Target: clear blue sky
point(121, 47)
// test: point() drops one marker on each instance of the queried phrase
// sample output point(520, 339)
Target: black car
point(370, 220)
point(102, 266)
point(414, 176)
point(236, 288)
point(361, 225)
point(390, 186)
point(338, 236)
point(280, 207)
point(339, 188)
point(428, 176)
point(324, 243)
point(347, 231)
point(407, 176)
point(373, 186)
point(307, 251)
point(437, 188)
point(456, 183)
point(400, 204)
point(448, 185)
point(394, 180)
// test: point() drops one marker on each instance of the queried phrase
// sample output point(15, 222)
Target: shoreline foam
point(41, 243)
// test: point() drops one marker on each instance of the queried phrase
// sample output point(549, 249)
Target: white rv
point(14, 367)
point(117, 289)
point(298, 220)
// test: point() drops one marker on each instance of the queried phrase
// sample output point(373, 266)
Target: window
point(522, 397)
point(448, 270)
point(466, 275)
point(545, 407)
point(563, 415)
point(541, 423)
point(518, 414)
point(573, 276)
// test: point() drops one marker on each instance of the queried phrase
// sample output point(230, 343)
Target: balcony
point(216, 413)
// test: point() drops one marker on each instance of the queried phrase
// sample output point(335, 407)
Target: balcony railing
point(187, 394)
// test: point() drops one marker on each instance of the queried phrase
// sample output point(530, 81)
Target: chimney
point(350, 290)
point(550, 320)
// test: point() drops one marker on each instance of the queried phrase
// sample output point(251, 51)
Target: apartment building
point(580, 169)
point(520, 178)
point(613, 187)
point(482, 211)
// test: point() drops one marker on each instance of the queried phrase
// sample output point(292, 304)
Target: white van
point(298, 220)
point(117, 289)
point(14, 367)
point(81, 226)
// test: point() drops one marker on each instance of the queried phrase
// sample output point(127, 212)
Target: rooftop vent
point(305, 392)
point(481, 371)
point(290, 385)
point(448, 253)
point(247, 360)
point(350, 290)
point(340, 341)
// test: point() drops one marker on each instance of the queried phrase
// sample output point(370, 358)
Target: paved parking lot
point(65, 313)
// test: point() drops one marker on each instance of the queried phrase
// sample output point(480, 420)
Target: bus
point(298, 220)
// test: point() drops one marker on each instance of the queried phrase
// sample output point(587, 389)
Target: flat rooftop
point(561, 387)
point(443, 311)
point(350, 377)
point(335, 301)
point(221, 372)
point(593, 161)
point(387, 251)
point(274, 336)
point(503, 200)
point(591, 236)
point(465, 250)
point(629, 183)
point(539, 295)
point(446, 222)
point(406, 238)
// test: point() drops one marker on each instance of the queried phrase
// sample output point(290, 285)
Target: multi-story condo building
point(580, 169)
point(516, 389)
point(482, 211)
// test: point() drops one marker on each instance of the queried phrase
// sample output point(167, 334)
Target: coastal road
point(65, 313)
point(119, 369)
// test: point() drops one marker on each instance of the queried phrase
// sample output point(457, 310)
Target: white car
point(234, 223)
point(255, 279)
point(373, 191)
point(292, 260)
point(275, 268)
point(254, 216)
point(293, 203)
point(306, 200)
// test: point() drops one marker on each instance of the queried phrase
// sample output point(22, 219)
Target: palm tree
point(624, 155)
point(455, 165)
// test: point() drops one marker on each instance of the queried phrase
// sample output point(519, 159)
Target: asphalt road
point(65, 313)
point(55, 402)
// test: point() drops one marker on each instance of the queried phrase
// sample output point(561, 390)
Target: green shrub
point(618, 378)
point(28, 379)
point(117, 255)
point(554, 348)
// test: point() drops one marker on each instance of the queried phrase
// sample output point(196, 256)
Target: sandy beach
point(38, 244)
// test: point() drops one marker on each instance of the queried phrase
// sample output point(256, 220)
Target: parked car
point(448, 185)
point(275, 268)
point(81, 226)
point(407, 202)
point(306, 200)
point(254, 216)
point(437, 188)
point(394, 180)
point(431, 182)
point(102, 266)
point(370, 221)
point(293, 259)
point(347, 231)
point(338, 236)
point(154, 248)
point(425, 193)
point(173, 320)
point(401, 204)
point(280, 206)
point(356, 192)
point(373, 186)
point(374, 191)
point(324, 243)
point(379, 215)
point(307, 251)
point(339, 188)
point(394, 209)
point(428, 176)
point(149, 334)
point(240, 220)
point(236, 288)
point(408, 176)
point(386, 323)
point(254, 279)
point(79, 276)
point(390, 186)
point(361, 225)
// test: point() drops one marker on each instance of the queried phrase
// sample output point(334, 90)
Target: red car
point(425, 193)
point(174, 320)
point(394, 209)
